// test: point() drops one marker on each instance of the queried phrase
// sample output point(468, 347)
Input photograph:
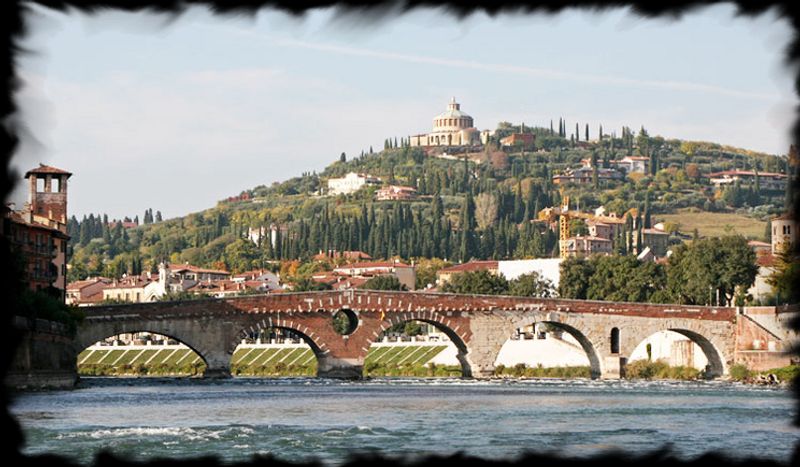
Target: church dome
point(453, 119)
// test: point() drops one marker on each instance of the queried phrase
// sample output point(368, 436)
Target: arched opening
point(417, 348)
point(274, 352)
point(614, 340)
point(675, 354)
point(548, 349)
point(140, 353)
point(345, 321)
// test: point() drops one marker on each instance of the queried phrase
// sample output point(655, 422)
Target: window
point(55, 184)
point(39, 185)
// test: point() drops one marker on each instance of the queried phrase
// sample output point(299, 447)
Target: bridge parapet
point(397, 302)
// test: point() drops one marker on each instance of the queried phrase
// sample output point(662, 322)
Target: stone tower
point(784, 233)
point(48, 194)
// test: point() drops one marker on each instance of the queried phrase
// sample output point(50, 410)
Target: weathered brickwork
point(479, 325)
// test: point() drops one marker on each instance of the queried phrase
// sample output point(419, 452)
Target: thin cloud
point(530, 71)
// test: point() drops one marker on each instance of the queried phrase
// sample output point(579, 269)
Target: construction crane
point(563, 228)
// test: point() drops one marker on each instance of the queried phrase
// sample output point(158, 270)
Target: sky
point(175, 114)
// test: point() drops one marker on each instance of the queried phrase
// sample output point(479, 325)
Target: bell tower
point(48, 194)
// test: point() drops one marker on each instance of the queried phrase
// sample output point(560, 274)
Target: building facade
point(766, 180)
point(582, 246)
point(396, 193)
point(38, 233)
point(784, 233)
point(404, 272)
point(351, 183)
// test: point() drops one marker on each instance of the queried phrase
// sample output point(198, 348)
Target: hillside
point(476, 204)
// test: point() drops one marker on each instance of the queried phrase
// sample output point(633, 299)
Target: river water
point(304, 419)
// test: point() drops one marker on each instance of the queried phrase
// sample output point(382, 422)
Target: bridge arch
point(456, 335)
point(714, 356)
point(86, 338)
point(318, 346)
point(139, 354)
point(590, 344)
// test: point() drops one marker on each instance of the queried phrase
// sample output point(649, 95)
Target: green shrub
point(786, 373)
point(739, 372)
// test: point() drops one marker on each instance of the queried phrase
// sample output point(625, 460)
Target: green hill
point(476, 206)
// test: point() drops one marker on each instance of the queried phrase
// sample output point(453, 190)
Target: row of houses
point(170, 279)
point(584, 175)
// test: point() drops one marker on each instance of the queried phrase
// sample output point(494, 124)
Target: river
point(301, 419)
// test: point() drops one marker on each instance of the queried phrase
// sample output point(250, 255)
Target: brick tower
point(48, 194)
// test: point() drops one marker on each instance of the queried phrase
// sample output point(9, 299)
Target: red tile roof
point(189, 267)
point(471, 266)
point(46, 169)
point(766, 260)
point(756, 243)
point(746, 172)
point(374, 264)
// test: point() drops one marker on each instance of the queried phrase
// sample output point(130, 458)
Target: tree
point(343, 157)
point(768, 231)
point(531, 285)
point(786, 276)
point(710, 271)
point(384, 282)
point(574, 278)
point(241, 255)
point(426, 271)
point(485, 210)
point(158, 216)
point(476, 282)
point(643, 142)
point(467, 227)
point(625, 279)
point(306, 284)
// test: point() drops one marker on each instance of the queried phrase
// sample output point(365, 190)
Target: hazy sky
point(175, 116)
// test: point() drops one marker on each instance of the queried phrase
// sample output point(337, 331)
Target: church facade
point(452, 127)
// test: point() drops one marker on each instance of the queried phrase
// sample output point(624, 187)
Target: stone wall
point(44, 358)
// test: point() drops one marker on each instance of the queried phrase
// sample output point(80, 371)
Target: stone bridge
point(479, 325)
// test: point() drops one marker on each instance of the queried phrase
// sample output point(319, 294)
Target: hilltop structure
point(452, 127)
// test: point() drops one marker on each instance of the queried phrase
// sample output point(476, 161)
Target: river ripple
point(302, 419)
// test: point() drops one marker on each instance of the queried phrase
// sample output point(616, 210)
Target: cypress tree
point(587, 132)
point(467, 227)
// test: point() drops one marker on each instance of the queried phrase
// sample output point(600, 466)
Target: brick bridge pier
point(478, 325)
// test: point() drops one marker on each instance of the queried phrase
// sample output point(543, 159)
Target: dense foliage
point(710, 271)
point(485, 283)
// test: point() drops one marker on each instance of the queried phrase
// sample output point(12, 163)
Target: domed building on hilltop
point(452, 127)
